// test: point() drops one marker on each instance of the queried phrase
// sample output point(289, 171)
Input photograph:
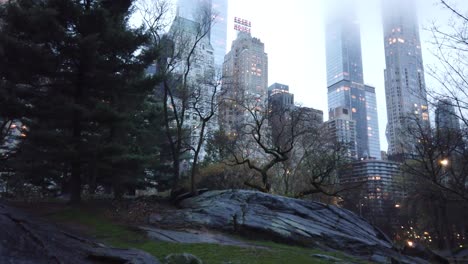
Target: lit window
point(354, 110)
point(425, 116)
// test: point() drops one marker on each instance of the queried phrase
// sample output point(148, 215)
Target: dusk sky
point(294, 37)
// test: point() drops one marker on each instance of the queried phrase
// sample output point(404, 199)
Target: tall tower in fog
point(190, 9)
point(345, 81)
point(219, 31)
point(405, 88)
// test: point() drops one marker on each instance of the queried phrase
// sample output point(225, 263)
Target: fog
point(294, 39)
point(294, 35)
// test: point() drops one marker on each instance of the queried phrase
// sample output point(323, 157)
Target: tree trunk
point(75, 183)
point(266, 184)
point(176, 172)
point(195, 159)
point(438, 226)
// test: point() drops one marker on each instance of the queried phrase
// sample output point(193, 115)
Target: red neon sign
point(242, 25)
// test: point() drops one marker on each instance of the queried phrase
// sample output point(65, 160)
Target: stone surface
point(292, 220)
point(183, 258)
point(25, 240)
point(194, 236)
point(326, 257)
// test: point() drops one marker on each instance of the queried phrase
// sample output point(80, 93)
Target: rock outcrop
point(286, 219)
point(25, 240)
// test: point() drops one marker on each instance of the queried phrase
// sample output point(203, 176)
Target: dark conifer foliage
point(76, 73)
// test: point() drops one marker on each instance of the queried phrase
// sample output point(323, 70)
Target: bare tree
point(450, 48)
point(184, 64)
point(439, 158)
point(265, 138)
point(320, 164)
point(205, 105)
point(436, 175)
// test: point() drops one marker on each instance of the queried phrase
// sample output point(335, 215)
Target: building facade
point(405, 88)
point(445, 116)
point(218, 11)
point(192, 9)
point(201, 72)
point(342, 129)
point(345, 81)
point(245, 82)
point(376, 191)
point(218, 36)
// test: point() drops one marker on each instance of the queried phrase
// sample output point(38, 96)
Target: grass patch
point(108, 232)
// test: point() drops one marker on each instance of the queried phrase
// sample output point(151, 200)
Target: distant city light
point(444, 162)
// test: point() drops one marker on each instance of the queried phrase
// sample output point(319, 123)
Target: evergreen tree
point(84, 69)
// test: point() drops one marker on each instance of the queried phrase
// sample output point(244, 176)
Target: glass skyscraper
point(405, 87)
point(219, 31)
point(189, 9)
point(346, 88)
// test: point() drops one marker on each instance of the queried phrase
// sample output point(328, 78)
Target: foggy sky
point(294, 37)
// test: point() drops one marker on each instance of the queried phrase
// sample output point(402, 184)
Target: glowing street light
point(444, 162)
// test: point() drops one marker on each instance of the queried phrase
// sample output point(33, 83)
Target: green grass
point(120, 236)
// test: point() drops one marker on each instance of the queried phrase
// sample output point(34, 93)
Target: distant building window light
point(425, 116)
point(354, 110)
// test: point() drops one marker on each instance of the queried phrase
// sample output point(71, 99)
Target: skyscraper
point(445, 116)
point(191, 9)
point(377, 191)
point(346, 88)
point(448, 131)
point(219, 31)
point(342, 129)
point(245, 72)
point(279, 95)
point(405, 88)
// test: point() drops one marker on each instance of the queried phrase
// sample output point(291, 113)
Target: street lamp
point(444, 162)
